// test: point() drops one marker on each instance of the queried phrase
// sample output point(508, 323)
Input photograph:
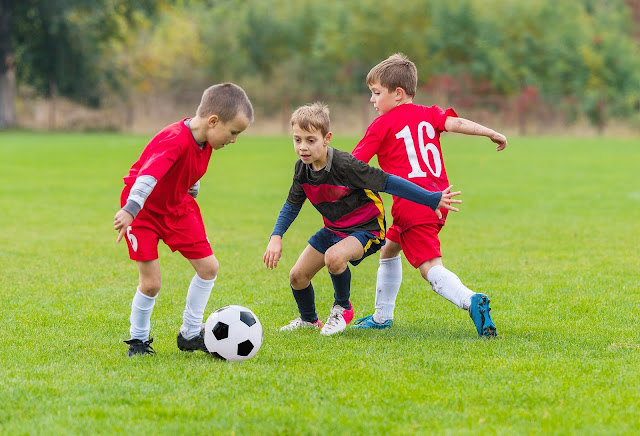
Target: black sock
point(342, 288)
point(306, 300)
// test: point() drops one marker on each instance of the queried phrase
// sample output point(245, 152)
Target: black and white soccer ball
point(233, 333)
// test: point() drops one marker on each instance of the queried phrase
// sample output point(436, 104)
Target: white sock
point(387, 287)
point(141, 308)
point(197, 298)
point(448, 285)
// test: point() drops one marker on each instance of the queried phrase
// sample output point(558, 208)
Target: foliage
point(568, 51)
point(57, 43)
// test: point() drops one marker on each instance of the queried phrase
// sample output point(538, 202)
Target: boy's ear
point(327, 138)
point(400, 93)
point(212, 120)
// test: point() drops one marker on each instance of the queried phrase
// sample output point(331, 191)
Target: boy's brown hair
point(225, 100)
point(313, 116)
point(397, 71)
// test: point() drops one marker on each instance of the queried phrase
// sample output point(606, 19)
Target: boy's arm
point(468, 127)
point(287, 215)
point(405, 189)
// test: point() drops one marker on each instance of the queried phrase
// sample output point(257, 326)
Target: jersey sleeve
point(368, 145)
point(296, 195)
point(440, 116)
point(286, 217)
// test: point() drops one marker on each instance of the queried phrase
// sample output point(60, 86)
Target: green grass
point(549, 229)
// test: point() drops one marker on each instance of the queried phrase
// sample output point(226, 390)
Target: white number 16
point(416, 171)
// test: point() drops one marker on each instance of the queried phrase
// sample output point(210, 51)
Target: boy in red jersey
point(406, 139)
point(158, 202)
point(345, 191)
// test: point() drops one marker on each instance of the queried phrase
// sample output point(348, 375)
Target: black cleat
point(138, 347)
point(196, 343)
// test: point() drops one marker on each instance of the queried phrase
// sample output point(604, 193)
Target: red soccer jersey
point(175, 160)
point(407, 142)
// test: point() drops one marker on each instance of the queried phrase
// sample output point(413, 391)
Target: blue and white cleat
point(369, 323)
point(479, 312)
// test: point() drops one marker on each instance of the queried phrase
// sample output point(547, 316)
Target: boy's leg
point(448, 285)
point(198, 295)
point(388, 281)
point(191, 335)
point(307, 266)
point(336, 258)
point(144, 299)
point(445, 283)
point(341, 288)
point(187, 235)
point(142, 308)
point(421, 247)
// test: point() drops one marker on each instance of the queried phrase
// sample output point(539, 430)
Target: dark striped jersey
point(345, 192)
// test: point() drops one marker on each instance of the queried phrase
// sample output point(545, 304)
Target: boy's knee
point(390, 249)
point(209, 271)
point(425, 267)
point(335, 263)
point(297, 279)
point(150, 286)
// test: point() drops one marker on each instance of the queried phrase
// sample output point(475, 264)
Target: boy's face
point(311, 146)
point(383, 100)
point(220, 134)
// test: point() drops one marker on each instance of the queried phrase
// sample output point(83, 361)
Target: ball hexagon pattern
point(233, 333)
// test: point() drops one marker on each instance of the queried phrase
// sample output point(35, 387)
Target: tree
point(7, 68)
point(56, 45)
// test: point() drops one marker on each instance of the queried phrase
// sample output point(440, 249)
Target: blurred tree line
point(579, 56)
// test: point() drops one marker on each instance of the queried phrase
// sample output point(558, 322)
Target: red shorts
point(184, 233)
point(419, 243)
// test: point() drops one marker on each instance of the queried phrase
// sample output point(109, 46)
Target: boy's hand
point(195, 189)
point(446, 200)
point(273, 253)
point(499, 139)
point(121, 222)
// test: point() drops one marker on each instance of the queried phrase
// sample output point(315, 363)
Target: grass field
point(549, 229)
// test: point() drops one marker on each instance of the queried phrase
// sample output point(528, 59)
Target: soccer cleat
point(298, 323)
point(195, 343)
point(337, 321)
point(479, 312)
point(369, 323)
point(138, 347)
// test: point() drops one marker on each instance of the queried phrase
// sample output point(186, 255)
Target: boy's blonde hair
point(313, 116)
point(397, 71)
point(225, 100)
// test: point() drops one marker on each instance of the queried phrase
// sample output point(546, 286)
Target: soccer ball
point(233, 333)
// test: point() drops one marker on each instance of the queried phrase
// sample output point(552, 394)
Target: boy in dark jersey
point(345, 191)
point(158, 202)
point(406, 139)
